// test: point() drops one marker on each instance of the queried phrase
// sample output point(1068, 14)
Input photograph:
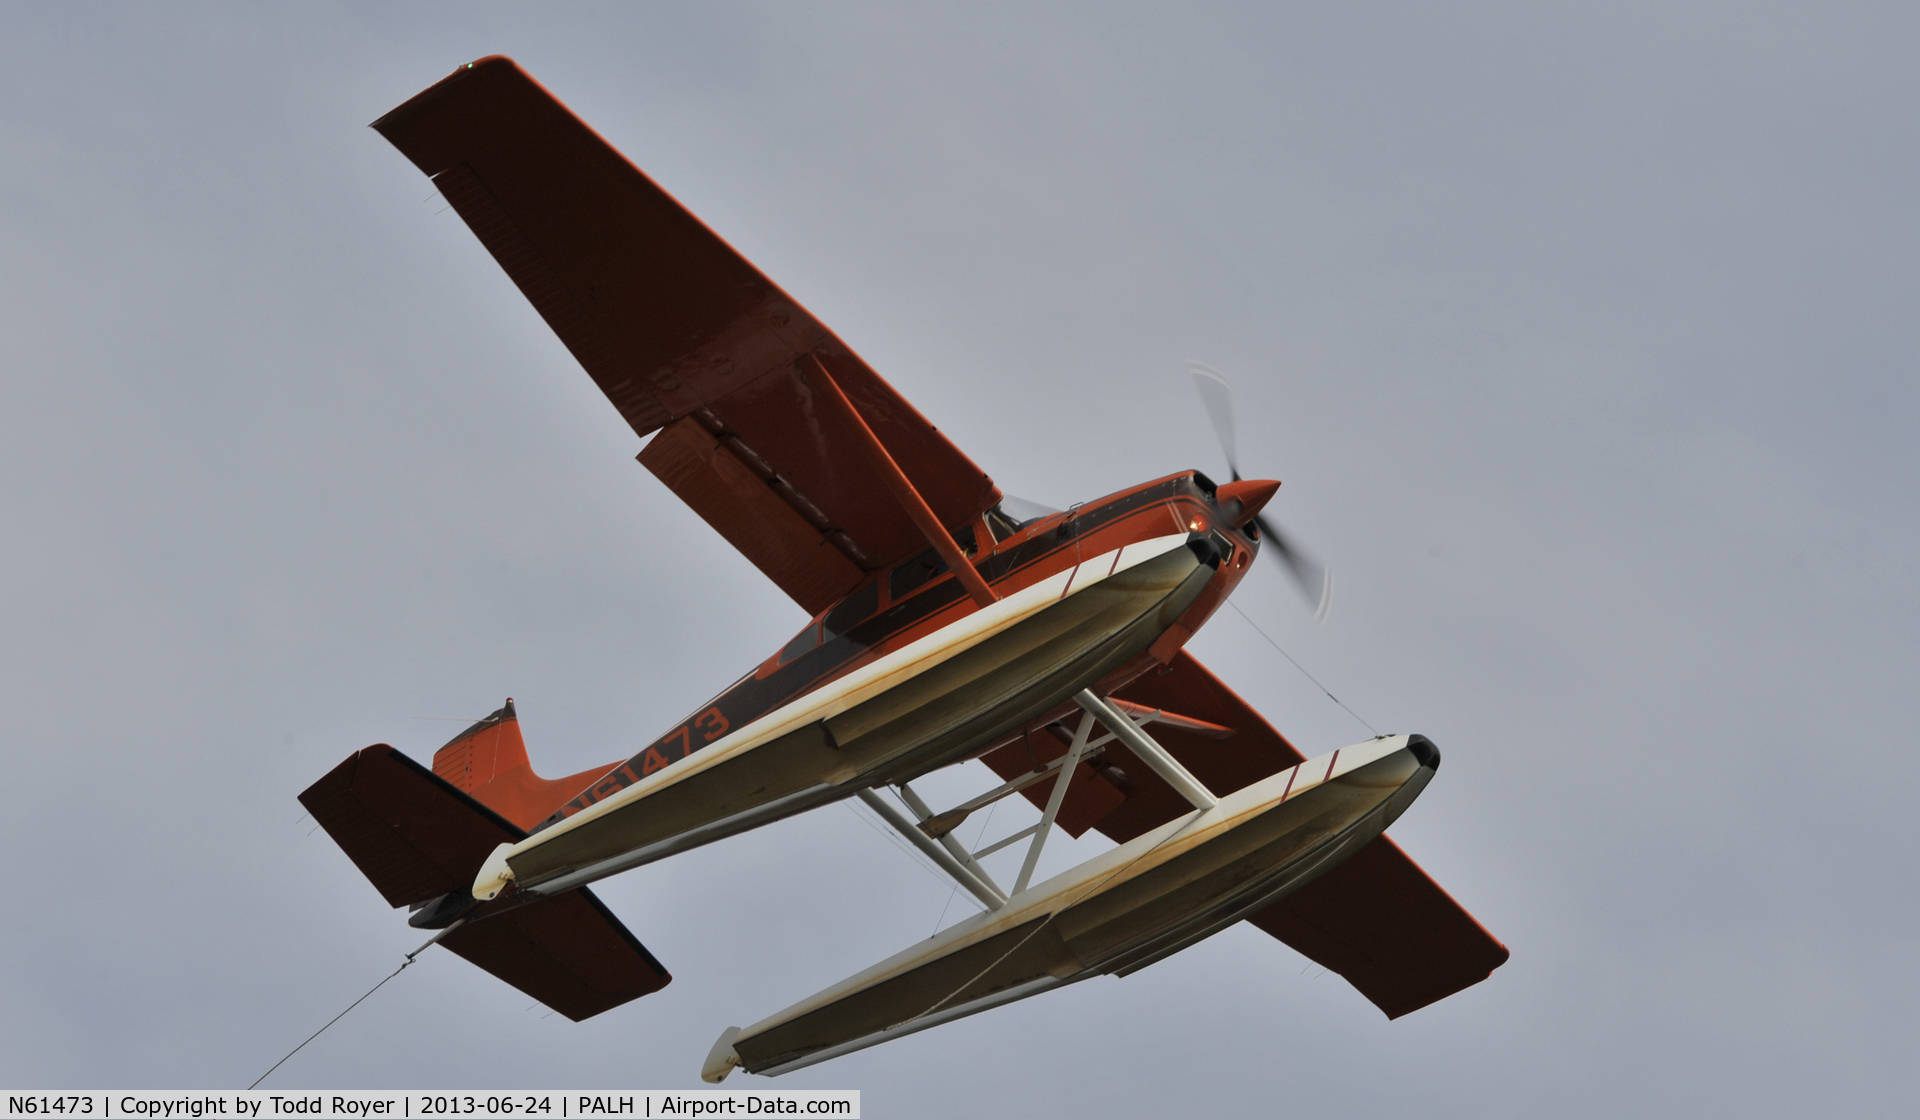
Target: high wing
point(683, 334)
point(1378, 920)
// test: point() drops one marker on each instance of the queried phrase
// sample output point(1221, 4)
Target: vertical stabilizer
point(489, 762)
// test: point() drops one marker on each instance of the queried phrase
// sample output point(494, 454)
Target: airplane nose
point(1424, 752)
point(1251, 494)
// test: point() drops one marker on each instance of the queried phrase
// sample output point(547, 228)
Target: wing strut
point(903, 489)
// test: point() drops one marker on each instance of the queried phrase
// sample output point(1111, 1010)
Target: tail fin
point(489, 761)
point(417, 837)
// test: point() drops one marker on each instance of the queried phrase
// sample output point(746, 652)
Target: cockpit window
point(1016, 513)
point(910, 575)
point(803, 642)
point(854, 609)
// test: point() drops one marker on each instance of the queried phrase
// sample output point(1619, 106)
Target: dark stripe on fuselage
point(754, 695)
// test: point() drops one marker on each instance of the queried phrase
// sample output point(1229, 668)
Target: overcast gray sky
point(1583, 336)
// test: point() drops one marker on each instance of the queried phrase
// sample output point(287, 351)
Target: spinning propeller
point(1314, 579)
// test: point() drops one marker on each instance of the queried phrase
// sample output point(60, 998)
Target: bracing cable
point(330, 1022)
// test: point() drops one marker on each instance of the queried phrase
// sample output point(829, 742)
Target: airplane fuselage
point(907, 673)
point(908, 601)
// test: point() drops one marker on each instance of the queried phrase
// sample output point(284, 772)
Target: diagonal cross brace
point(1060, 784)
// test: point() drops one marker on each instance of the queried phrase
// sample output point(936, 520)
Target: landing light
point(1196, 525)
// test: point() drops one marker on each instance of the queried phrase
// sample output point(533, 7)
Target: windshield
point(1015, 512)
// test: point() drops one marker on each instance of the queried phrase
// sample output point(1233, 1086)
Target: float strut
point(1149, 752)
point(990, 898)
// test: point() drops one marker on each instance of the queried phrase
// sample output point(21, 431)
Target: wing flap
point(569, 952)
point(767, 530)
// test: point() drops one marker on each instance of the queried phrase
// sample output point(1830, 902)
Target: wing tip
point(390, 123)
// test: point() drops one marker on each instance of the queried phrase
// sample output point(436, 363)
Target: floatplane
point(947, 624)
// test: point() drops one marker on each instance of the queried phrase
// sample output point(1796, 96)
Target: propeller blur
point(1314, 579)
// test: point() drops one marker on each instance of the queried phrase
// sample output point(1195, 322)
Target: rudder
point(489, 761)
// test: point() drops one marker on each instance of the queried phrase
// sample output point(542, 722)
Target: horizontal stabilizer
point(417, 837)
point(406, 828)
point(567, 951)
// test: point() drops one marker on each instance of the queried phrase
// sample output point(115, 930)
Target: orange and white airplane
point(946, 627)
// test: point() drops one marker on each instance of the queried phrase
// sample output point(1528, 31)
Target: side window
point(854, 609)
point(910, 575)
point(803, 642)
